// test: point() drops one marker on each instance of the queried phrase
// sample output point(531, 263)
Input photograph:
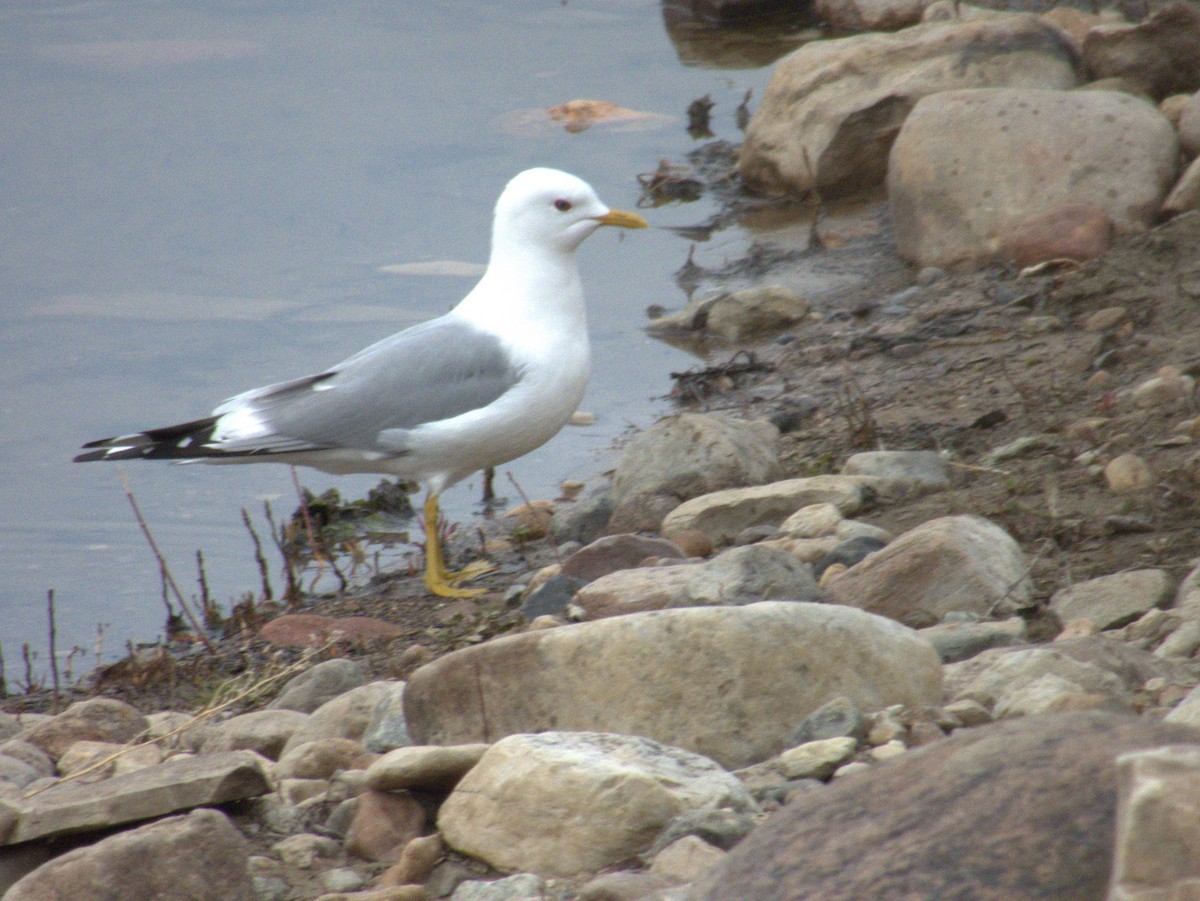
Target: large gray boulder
point(1018, 811)
point(970, 167)
point(731, 683)
point(833, 108)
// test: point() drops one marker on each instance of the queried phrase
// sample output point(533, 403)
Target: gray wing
point(432, 371)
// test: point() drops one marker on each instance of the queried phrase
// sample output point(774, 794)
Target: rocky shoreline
point(901, 603)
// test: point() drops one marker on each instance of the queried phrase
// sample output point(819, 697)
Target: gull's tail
point(185, 441)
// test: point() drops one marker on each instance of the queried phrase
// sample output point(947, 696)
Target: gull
point(493, 379)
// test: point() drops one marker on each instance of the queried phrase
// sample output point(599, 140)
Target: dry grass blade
point(237, 692)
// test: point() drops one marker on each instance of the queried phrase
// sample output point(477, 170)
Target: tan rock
point(817, 759)
point(624, 885)
point(1096, 148)
point(112, 759)
point(692, 542)
point(1189, 125)
point(1077, 23)
point(384, 822)
point(1071, 232)
point(888, 750)
point(1127, 474)
point(1172, 107)
point(1185, 195)
point(1161, 53)
point(616, 552)
point(740, 575)
point(417, 860)
point(391, 893)
point(722, 515)
point(1164, 389)
point(832, 572)
point(177, 784)
point(1112, 601)
point(558, 804)
point(954, 563)
point(812, 521)
point(1020, 809)
point(1048, 693)
point(295, 791)
point(833, 107)
point(97, 719)
point(686, 859)
point(322, 758)
point(303, 851)
point(692, 454)
point(1158, 818)
point(806, 550)
point(997, 674)
point(423, 766)
point(318, 684)
point(1106, 319)
point(650, 674)
point(345, 716)
point(200, 857)
point(262, 731)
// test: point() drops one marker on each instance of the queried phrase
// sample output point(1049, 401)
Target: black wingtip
point(166, 443)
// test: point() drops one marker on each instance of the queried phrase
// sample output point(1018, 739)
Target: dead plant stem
point(162, 565)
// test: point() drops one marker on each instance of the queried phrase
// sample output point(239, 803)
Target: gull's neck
point(527, 284)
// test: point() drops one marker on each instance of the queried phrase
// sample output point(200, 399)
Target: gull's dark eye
point(562, 205)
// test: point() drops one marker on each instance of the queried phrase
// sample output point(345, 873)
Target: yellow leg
point(438, 579)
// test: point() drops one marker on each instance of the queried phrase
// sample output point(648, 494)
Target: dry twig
point(168, 579)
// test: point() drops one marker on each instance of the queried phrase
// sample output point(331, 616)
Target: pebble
point(812, 521)
point(885, 726)
point(1128, 473)
point(837, 718)
point(342, 879)
point(692, 542)
point(1103, 320)
point(893, 748)
point(302, 851)
point(849, 769)
point(817, 759)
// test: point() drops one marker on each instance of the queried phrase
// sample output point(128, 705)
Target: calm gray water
point(196, 199)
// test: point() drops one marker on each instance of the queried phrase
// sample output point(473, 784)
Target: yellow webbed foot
point(438, 579)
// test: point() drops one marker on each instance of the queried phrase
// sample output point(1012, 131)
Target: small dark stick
point(697, 112)
point(743, 111)
point(258, 556)
point(53, 645)
point(168, 579)
point(291, 593)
